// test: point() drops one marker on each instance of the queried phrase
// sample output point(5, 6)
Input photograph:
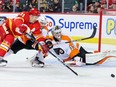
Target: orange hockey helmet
point(34, 11)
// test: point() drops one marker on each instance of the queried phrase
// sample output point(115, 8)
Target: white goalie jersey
point(65, 51)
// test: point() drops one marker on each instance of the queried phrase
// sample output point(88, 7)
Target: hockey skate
point(37, 60)
point(3, 62)
point(37, 63)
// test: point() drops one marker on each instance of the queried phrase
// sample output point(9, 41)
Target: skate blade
point(38, 65)
point(3, 64)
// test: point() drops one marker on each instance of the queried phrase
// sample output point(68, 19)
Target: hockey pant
point(5, 44)
point(82, 54)
point(18, 45)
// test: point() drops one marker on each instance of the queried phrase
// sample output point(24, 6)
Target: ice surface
point(19, 73)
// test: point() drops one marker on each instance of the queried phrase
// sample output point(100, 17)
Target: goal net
point(107, 29)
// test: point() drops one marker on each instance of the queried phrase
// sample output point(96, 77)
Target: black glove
point(48, 43)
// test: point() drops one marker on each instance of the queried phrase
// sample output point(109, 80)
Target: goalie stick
point(101, 61)
point(92, 35)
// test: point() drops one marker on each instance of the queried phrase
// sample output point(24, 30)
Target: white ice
point(19, 73)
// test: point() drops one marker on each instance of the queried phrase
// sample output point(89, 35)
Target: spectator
point(7, 6)
point(97, 4)
point(34, 4)
point(97, 7)
point(18, 7)
point(79, 4)
point(50, 7)
point(104, 4)
point(1, 2)
point(113, 5)
point(98, 10)
point(109, 1)
point(92, 8)
point(43, 6)
point(76, 2)
point(74, 9)
point(26, 7)
point(23, 3)
point(16, 1)
point(55, 7)
point(31, 4)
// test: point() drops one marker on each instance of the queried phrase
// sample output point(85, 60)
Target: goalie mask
point(56, 32)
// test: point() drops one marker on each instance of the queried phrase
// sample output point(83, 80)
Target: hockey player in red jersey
point(39, 33)
point(12, 28)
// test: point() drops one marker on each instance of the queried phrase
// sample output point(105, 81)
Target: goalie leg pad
point(92, 58)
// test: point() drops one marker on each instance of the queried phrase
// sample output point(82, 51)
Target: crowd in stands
point(93, 6)
point(26, 5)
point(97, 6)
point(70, 6)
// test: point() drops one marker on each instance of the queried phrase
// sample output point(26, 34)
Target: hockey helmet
point(43, 19)
point(34, 11)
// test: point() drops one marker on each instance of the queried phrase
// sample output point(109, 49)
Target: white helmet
point(56, 32)
point(43, 19)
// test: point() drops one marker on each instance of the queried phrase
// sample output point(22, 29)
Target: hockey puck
point(112, 75)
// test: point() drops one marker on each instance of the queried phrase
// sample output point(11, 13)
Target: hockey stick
point(92, 35)
point(63, 63)
point(33, 39)
point(100, 61)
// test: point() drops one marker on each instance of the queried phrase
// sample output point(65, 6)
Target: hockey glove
point(22, 29)
point(48, 43)
point(42, 45)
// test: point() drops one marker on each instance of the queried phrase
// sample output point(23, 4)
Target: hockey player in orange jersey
point(12, 28)
point(39, 32)
point(66, 51)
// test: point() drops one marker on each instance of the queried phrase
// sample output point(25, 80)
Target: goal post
point(107, 28)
